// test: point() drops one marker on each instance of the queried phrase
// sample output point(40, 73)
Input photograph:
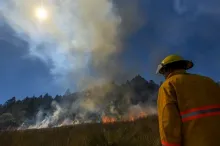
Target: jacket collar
point(176, 72)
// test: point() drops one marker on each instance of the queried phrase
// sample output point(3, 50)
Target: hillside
point(92, 105)
point(107, 115)
point(143, 132)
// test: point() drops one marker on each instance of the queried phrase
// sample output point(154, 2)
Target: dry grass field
point(142, 132)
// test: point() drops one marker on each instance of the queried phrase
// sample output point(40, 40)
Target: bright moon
point(41, 13)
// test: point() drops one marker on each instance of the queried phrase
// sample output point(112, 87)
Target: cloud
point(84, 40)
point(78, 35)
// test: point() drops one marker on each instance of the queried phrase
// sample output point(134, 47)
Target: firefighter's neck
point(170, 73)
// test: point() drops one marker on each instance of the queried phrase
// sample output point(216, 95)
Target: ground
point(142, 132)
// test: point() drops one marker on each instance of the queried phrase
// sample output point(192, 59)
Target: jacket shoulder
point(167, 93)
point(166, 84)
point(205, 78)
point(188, 77)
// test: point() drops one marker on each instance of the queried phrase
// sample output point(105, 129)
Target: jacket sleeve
point(169, 117)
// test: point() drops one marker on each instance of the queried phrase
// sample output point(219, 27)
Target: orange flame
point(142, 115)
point(106, 119)
point(131, 118)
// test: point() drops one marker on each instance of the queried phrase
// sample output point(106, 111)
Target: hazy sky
point(187, 27)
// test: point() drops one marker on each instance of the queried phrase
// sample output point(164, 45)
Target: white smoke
point(88, 111)
point(147, 109)
point(78, 35)
point(85, 113)
point(75, 32)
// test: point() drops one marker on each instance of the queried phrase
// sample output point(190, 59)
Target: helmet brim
point(188, 65)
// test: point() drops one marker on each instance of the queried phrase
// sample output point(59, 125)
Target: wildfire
point(142, 115)
point(107, 119)
point(131, 118)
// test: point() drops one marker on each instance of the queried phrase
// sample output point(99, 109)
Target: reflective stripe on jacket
point(189, 111)
point(200, 112)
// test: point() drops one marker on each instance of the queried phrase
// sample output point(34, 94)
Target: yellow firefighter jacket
point(189, 111)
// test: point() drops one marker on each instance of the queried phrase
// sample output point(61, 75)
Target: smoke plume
point(80, 39)
point(80, 42)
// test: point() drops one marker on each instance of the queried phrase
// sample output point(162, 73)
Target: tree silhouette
point(115, 99)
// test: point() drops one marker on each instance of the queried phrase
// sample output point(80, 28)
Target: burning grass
point(130, 118)
point(141, 132)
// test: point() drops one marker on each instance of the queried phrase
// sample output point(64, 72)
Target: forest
point(90, 105)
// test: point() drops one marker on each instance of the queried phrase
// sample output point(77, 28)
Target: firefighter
point(188, 106)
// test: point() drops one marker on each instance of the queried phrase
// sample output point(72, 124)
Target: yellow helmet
point(171, 59)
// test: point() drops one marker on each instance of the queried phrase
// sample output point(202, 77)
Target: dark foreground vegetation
point(143, 132)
